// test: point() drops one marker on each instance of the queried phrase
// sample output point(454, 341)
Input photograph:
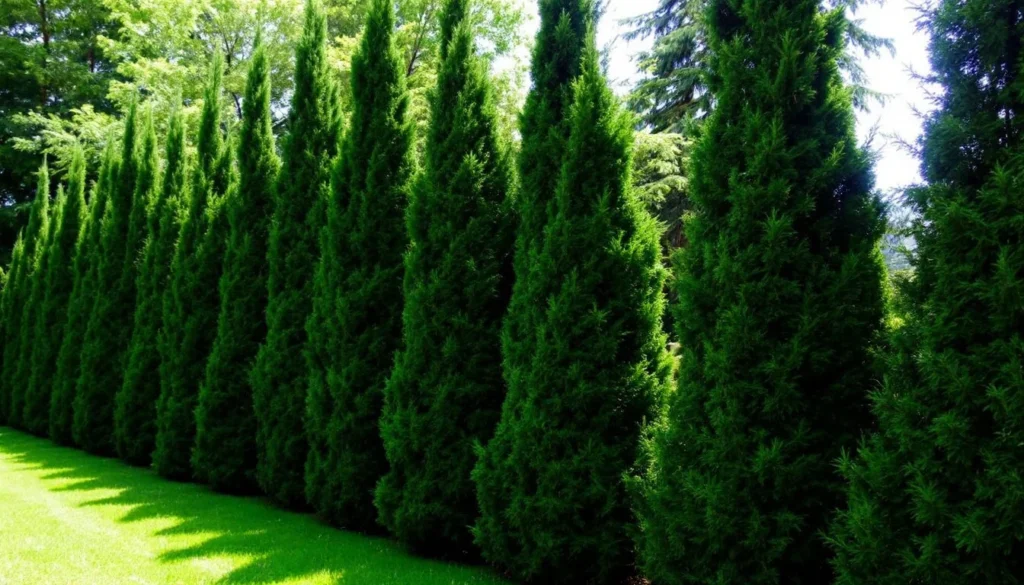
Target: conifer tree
point(135, 403)
point(10, 318)
point(598, 369)
point(80, 303)
point(780, 303)
point(446, 390)
point(280, 377)
point(108, 330)
point(225, 449)
point(355, 326)
point(50, 323)
point(19, 342)
point(191, 303)
point(934, 495)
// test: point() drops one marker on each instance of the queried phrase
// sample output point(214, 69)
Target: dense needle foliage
point(10, 319)
point(934, 496)
point(280, 377)
point(225, 449)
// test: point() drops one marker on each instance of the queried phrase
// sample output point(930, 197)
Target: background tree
point(83, 293)
point(58, 282)
point(931, 495)
point(780, 302)
point(135, 403)
point(190, 305)
point(108, 330)
point(225, 449)
point(355, 325)
point(445, 391)
point(280, 380)
point(21, 291)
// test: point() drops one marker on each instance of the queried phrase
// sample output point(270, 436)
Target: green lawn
point(71, 518)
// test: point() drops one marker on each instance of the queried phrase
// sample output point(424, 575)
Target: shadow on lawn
point(283, 545)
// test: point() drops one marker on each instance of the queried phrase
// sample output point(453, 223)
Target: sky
point(886, 73)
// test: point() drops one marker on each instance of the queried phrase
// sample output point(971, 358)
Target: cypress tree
point(65, 379)
point(598, 368)
point(934, 495)
point(279, 377)
point(225, 449)
point(780, 302)
point(135, 403)
point(9, 318)
point(108, 330)
point(59, 280)
point(446, 390)
point(190, 304)
point(17, 352)
point(355, 326)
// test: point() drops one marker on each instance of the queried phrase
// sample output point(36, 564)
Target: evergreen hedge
point(10, 319)
point(446, 390)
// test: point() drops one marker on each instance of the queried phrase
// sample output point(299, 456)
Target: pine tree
point(598, 369)
point(108, 330)
point(225, 449)
point(17, 352)
point(933, 496)
point(190, 304)
point(355, 325)
point(80, 303)
point(59, 280)
point(280, 377)
point(10, 317)
point(446, 390)
point(780, 303)
point(135, 403)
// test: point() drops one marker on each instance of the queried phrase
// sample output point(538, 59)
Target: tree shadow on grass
point(275, 545)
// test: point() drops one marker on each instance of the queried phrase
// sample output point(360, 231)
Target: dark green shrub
point(10, 319)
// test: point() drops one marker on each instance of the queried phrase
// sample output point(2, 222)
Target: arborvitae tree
point(225, 449)
point(59, 281)
point(446, 390)
point(80, 303)
point(780, 302)
point(558, 509)
point(9, 317)
point(109, 326)
point(280, 377)
point(135, 403)
point(190, 304)
point(934, 495)
point(355, 326)
point(17, 352)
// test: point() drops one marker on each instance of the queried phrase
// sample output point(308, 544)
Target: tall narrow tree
point(934, 496)
point(65, 379)
point(780, 301)
point(190, 304)
point(355, 326)
point(225, 449)
point(446, 390)
point(58, 282)
point(9, 304)
point(135, 403)
point(109, 327)
point(279, 378)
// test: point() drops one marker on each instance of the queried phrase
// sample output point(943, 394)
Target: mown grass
point(71, 518)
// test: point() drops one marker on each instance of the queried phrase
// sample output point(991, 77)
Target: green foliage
point(555, 507)
point(10, 320)
point(225, 449)
point(446, 390)
point(191, 302)
point(355, 325)
point(280, 377)
point(58, 281)
point(135, 403)
point(80, 303)
point(108, 330)
point(780, 301)
point(18, 349)
point(932, 495)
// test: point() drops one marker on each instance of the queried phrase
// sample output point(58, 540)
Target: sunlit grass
point(71, 518)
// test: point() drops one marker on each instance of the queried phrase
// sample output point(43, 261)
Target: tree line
point(468, 353)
